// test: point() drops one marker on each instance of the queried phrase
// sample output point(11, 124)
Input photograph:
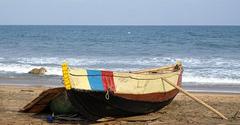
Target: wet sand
point(182, 110)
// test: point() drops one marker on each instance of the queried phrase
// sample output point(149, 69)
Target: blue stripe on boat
point(95, 80)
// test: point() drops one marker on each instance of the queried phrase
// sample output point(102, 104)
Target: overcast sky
point(120, 12)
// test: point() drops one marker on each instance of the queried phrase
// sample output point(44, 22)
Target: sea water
point(210, 54)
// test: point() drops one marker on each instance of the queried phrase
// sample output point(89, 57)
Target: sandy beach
point(182, 110)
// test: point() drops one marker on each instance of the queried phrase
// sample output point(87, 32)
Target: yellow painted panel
point(66, 78)
point(80, 82)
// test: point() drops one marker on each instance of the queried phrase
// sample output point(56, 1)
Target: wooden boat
point(99, 93)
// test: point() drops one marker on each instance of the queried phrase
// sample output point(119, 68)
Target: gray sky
point(120, 12)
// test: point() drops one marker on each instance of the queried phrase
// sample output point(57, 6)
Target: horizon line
point(115, 25)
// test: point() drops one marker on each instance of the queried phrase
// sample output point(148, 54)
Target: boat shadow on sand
point(54, 106)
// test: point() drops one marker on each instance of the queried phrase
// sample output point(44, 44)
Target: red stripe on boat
point(108, 82)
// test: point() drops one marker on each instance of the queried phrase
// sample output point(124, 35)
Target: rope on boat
point(130, 76)
point(107, 95)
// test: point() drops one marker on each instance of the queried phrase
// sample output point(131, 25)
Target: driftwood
point(196, 99)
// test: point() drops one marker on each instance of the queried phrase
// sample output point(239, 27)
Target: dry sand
point(182, 110)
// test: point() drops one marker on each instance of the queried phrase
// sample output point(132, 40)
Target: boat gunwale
point(139, 72)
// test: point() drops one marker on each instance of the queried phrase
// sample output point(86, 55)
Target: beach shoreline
point(182, 110)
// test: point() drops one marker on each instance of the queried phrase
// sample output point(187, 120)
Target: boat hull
point(101, 93)
point(94, 105)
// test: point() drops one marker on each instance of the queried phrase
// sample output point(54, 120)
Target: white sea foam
point(25, 68)
point(210, 80)
point(17, 68)
point(145, 61)
point(198, 70)
point(51, 60)
point(94, 60)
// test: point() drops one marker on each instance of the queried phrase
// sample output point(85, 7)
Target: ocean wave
point(187, 77)
point(51, 70)
point(197, 70)
point(131, 61)
point(91, 61)
point(20, 68)
point(210, 80)
point(17, 68)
